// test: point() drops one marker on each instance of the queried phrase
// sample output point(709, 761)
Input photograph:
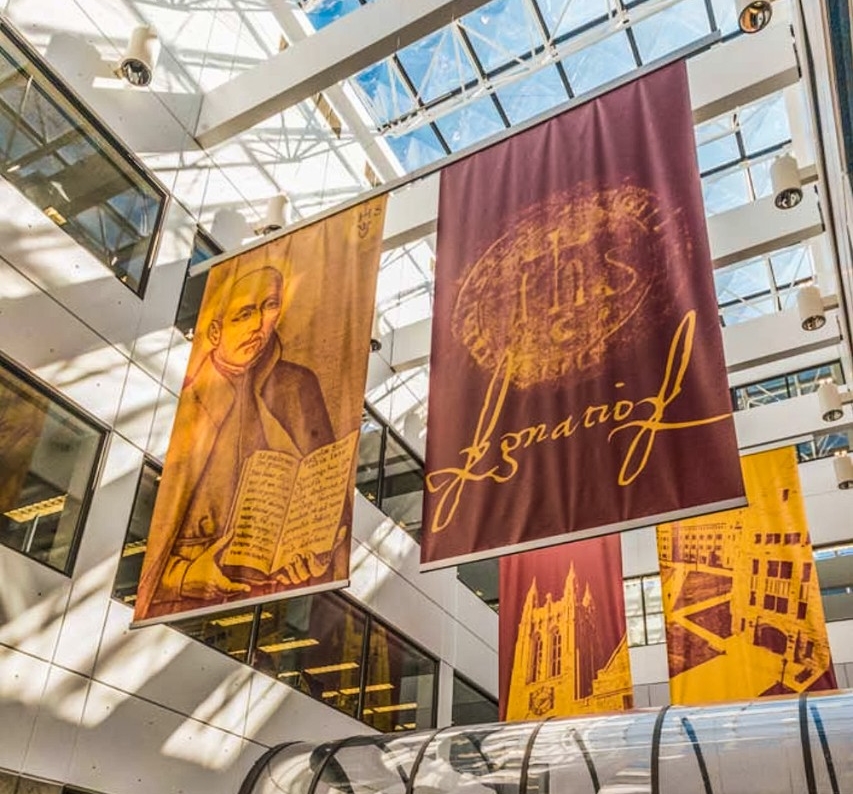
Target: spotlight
point(785, 176)
point(812, 307)
point(843, 466)
point(138, 62)
point(276, 217)
point(753, 15)
point(832, 401)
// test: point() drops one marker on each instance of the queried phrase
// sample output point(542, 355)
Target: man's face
point(250, 318)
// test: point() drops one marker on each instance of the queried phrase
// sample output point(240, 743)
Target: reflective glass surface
point(474, 760)
point(834, 566)
point(136, 540)
point(229, 631)
point(64, 162)
point(785, 387)
point(471, 705)
point(403, 486)
point(315, 644)
point(400, 683)
point(193, 292)
point(48, 460)
point(763, 285)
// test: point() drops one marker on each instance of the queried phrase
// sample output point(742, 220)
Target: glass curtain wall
point(49, 455)
point(66, 163)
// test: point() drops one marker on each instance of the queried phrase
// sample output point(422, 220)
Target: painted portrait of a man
point(262, 400)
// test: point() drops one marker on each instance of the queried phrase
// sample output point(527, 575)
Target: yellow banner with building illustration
point(741, 597)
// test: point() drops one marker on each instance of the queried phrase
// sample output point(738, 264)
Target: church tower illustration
point(559, 665)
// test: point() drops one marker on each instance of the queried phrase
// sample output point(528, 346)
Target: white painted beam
point(336, 52)
point(366, 36)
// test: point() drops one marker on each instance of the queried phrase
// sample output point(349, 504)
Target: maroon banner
point(577, 379)
point(562, 644)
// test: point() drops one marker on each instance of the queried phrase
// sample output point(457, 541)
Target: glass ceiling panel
point(671, 29)
point(324, 12)
point(417, 148)
point(383, 91)
point(599, 63)
point(725, 191)
point(792, 265)
point(437, 64)
point(501, 31)
point(470, 123)
point(725, 15)
point(764, 124)
point(759, 172)
point(535, 94)
point(751, 278)
point(717, 151)
point(566, 16)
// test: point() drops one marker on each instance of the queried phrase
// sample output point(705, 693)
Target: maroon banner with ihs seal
point(577, 379)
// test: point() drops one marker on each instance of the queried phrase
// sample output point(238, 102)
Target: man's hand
point(204, 580)
point(302, 567)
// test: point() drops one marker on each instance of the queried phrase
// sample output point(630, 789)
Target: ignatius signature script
point(498, 459)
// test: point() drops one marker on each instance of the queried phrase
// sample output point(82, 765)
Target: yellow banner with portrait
point(741, 599)
point(255, 500)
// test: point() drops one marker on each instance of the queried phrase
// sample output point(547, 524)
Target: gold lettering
point(622, 410)
point(603, 415)
point(452, 480)
point(564, 429)
point(677, 362)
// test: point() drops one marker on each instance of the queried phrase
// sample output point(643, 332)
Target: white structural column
point(358, 40)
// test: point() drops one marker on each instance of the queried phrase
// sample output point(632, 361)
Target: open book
point(287, 505)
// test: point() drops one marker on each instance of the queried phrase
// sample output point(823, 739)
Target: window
point(834, 571)
point(471, 706)
point(763, 285)
point(136, 539)
point(334, 651)
point(48, 460)
point(644, 611)
point(191, 296)
point(735, 152)
point(481, 578)
point(323, 644)
point(822, 445)
point(784, 387)
point(64, 161)
point(390, 474)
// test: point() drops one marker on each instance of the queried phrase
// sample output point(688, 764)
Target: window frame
point(35, 63)
point(100, 428)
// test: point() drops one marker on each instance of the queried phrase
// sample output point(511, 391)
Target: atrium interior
point(144, 141)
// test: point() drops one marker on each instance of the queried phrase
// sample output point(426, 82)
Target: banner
point(256, 495)
point(577, 361)
point(741, 597)
point(562, 644)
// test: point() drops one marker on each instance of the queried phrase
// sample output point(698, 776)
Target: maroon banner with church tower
point(577, 380)
point(562, 641)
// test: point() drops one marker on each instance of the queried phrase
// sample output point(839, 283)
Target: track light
point(276, 215)
point(140, 58)
point(812, 307)
point(753, 15)
point(785, 177)
point(832, 401)
point(843, 466)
